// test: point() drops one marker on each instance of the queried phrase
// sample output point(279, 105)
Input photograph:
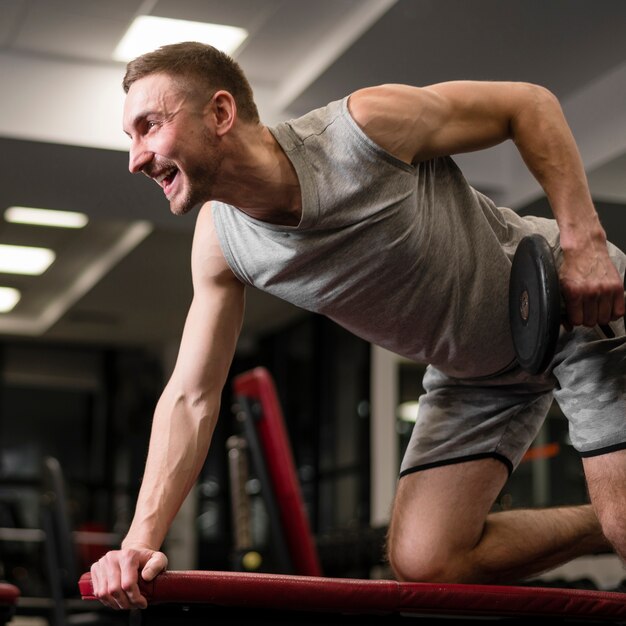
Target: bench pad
point(343, 595)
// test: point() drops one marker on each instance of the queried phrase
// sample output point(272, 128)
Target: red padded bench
point(206, 597)
point(9, 595)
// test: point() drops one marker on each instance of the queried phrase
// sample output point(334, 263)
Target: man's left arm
point(416, 124)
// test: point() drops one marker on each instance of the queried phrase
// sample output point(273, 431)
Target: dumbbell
point(536, 309)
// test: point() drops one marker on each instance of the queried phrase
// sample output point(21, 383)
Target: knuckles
point(114, 578)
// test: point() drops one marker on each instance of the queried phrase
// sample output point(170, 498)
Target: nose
point(138, 157)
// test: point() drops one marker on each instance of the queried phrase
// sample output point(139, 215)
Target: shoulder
point(390, 114)
point(208, 262)
point(204, 231)
point(385, 102)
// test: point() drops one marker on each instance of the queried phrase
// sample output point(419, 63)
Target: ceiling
point(125, 278)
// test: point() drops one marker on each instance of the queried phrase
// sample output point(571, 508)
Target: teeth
point(161, 177)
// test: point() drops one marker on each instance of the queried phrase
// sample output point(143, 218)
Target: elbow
point(536, 104)
point(539, 96)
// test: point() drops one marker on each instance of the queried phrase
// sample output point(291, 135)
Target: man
point(356, 211)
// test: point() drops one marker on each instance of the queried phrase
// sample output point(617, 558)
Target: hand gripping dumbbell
point(536, 308)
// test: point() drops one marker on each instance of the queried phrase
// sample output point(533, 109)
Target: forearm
point(181, 434)
point(545, 142)
point(590, 283)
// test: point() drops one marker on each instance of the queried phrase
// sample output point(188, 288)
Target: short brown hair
point(193, 60)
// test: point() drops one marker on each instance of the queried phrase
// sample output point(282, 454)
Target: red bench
point(9, 595)
point(270, 598)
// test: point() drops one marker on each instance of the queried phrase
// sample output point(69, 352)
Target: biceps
point(209, 338)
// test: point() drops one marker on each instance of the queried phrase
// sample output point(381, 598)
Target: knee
point(609, 531)
point(415, 560)
point(614, 530)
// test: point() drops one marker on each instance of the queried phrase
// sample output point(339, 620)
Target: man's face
point(171, 140)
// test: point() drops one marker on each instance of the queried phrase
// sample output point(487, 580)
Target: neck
point(259, 179)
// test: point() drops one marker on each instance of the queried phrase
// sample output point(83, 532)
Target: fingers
point(605, 310)
point(115, 577)
point(594, 309)
point(574, 308)
point(619, 306)
point(130, 587)
point(105, 585)
point(590, 310)
point(156, 565)
point(594, 296)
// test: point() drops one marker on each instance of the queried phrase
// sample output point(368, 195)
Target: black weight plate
point(534, 304)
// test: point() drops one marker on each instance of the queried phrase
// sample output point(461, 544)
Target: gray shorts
point(499, 417)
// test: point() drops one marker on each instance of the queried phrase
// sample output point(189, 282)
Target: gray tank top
point(410, 258)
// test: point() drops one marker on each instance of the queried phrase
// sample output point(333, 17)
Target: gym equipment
point(536, 309)
point(245, 558)
point(9, 595)
point(534, 304)
point(61, 556)
point(259, 414)
point(192, 598)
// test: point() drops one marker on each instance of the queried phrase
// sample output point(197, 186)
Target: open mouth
point(166, 179)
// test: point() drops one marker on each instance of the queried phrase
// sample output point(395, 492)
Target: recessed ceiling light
point(148, 33)
point(9, 297)
point(45, 217)
point(25, 260)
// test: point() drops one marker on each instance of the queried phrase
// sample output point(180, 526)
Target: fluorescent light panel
point(25, 260)
point(148, 33)
point(45, 217)
point(9, 297)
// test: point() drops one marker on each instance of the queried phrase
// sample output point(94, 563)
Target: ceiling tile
point(65, 29)
point(12, 12)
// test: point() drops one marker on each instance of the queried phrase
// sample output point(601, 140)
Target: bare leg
point(606, 481)
point(521, 543)
point(442, 530)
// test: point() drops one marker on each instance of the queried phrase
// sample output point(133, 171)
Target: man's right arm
point(184, 421)
point(419, 123)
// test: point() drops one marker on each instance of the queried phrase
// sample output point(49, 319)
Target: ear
point(223, 110)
